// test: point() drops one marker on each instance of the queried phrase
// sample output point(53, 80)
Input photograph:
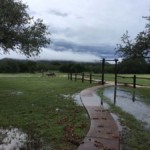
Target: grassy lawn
point(38, 107)
point(43, 108)
point(144, 93)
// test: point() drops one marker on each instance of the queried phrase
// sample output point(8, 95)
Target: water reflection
point(102, 98)
point(115, 93)
point(129, 101)
point(121, 92)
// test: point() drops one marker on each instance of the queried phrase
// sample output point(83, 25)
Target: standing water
point(129, 102)
point(12, 139)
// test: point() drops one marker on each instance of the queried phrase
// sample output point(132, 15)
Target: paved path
point(103, 133)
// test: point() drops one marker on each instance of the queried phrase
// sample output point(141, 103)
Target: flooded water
point(129, 102)
point(95, 100)
point(77, 99)
point(15, 139)
point(12, 139)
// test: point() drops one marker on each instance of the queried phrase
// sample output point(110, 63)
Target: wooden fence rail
point(132, 80)
point(84, 77)
point(143, 78)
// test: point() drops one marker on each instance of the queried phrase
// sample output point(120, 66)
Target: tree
point(137, 65)
point(20, 32)
point(137, 48)
point(129, 49)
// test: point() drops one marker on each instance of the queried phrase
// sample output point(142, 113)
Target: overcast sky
point(87, 29)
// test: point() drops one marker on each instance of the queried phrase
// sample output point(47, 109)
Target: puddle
point(12, 139)
point(65, 96)
point(105, 105)
point(90, 101)
point(129, 102)
point(77, 99)
point(15, 139)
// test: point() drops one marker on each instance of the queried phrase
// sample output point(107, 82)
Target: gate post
point(82, 77)
point(134, 81)
point(103, 67)
point(90, 78)
point(116, 72)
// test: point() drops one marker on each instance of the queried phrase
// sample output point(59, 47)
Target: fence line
point(98, 78)
point(134, 80)
point(84, 77)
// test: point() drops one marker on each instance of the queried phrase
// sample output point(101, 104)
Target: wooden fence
point(85, 77)
point(119, 79)
point(133, 80)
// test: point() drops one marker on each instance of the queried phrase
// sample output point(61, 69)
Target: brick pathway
point(103, 133)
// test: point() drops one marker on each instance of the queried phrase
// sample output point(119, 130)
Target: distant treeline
point(27, 66)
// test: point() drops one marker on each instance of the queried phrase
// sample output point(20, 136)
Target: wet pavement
point(103, 133)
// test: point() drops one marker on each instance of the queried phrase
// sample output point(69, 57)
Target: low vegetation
point(26, 66)
point(43, 108)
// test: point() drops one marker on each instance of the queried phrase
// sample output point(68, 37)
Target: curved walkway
point(103, 133)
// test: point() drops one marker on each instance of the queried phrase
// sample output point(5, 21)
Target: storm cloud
point(92, 27)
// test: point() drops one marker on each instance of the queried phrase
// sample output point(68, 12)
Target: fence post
point(82, 77)
point(116, 72)
point(90, 78)
point(103, 67)
point(134, 81)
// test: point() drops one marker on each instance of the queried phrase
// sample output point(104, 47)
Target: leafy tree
point(9, 66)
point(72, 67)
point(31, 66)
point(139, 47)
point(137, 65)
point(129, 49)
point(20, 32)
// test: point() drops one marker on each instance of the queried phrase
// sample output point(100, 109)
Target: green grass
point(144, 93)
point(37, 106)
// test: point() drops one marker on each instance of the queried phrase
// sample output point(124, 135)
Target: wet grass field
point(39, 107)
point(43, 108)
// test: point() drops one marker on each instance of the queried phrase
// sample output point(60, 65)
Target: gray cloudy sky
point(87, 29)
